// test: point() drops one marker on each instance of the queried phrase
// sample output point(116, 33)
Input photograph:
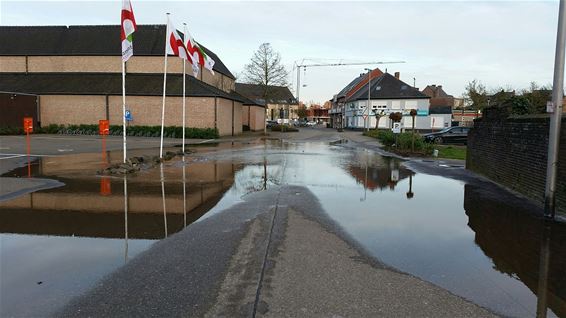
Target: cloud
point(443, 42)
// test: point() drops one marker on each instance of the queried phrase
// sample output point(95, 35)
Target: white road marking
point(10, 157)
point(23, 155)
point(4, 148)
point(205, 141)
point(65, 150)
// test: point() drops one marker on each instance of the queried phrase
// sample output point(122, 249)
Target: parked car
point(270, 123)
point(450, 135)
point(311, 124)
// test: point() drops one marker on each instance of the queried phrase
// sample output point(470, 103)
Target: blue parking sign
point(129, 116)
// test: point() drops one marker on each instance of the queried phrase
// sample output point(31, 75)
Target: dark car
point(450, 135)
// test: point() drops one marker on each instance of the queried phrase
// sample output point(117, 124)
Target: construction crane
point(304, 66)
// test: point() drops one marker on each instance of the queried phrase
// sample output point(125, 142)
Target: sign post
point(28, 128)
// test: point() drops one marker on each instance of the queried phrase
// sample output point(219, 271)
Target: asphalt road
point(277, 254)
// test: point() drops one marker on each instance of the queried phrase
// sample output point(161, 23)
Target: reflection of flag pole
point(164, 88)
point(125, 219)
point(184, 195)
point(163, 196)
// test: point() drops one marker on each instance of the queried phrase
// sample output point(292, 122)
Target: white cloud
point(444, 42)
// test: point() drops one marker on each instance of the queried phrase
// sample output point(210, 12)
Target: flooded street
point(56, 244)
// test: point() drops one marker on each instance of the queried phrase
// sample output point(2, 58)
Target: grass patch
point(452, 152)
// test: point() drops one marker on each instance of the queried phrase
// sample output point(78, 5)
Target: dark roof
point(105, 84)
point(349, 87)
point(440, 109)
point(277, 94)
point(87, 40)
point(245, 101)
point(387, 86)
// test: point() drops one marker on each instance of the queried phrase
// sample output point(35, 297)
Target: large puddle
point(57, 243)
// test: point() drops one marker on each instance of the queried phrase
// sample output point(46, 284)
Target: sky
point(506, 44)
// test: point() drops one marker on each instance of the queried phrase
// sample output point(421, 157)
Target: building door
point(14, 107)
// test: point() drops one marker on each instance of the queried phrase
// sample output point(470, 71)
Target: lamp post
point(366, 122)
point(556, 117)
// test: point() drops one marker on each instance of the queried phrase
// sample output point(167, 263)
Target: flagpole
point(184, 79)
point(124, 107)
point(164, 87)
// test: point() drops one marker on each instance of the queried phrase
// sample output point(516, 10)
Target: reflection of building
point(379, 175)
point(280, 102)
point(74, 75)
point(511, 236)
point(85, 207)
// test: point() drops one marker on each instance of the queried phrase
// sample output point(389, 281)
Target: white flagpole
point(184, 79)
point(164, 88)
point(124, 106)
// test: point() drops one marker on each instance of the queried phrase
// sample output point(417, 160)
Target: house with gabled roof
point(387, 94)
point(75, 74)
point(279, 102)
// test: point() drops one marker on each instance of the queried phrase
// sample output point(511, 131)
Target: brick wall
point(513, 152)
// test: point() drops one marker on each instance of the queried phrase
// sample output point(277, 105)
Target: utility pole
point(556, 116)
point(366, 122)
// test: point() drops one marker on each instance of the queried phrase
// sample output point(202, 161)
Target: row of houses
point(72, 75)
point(367, 101)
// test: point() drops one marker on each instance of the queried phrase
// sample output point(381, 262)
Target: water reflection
point(376, 172)
point(70, 237)
point(521, 246)
point(125, 219)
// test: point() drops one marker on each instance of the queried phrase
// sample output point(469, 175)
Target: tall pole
point(366, 121)
point(184, 83)
point(556, 117)
point(298, 83)
point(164, 87)
point(124, 108)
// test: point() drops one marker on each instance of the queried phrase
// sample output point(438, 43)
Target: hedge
point(402, 142)
point(142, 131)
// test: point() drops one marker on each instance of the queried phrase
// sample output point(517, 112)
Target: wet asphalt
point(275, 254)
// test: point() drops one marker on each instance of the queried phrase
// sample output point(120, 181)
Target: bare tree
point(265, 69)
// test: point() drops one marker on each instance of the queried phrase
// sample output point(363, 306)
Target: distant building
point(319, 113)
point(74, 73)
point(388, 94)
point(441, 106)
point(279, 104)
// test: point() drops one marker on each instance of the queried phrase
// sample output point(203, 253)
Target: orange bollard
point(28, 128)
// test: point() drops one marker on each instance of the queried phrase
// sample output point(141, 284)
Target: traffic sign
point(28, 124)
point(365, 116)
point(396, 128)
point(129, 116)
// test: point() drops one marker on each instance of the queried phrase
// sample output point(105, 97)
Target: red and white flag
point(175, 45)
point(197, 53)
point(127, 29)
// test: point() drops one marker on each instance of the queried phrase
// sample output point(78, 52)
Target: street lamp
point(366, 122)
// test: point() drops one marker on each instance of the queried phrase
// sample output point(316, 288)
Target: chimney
point(397, 75)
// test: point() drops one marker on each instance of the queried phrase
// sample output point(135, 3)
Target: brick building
point(278, 100)
point(75, 75)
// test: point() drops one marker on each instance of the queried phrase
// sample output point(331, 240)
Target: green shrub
point(387, 137)
point(116, 130)
point(11, 130)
